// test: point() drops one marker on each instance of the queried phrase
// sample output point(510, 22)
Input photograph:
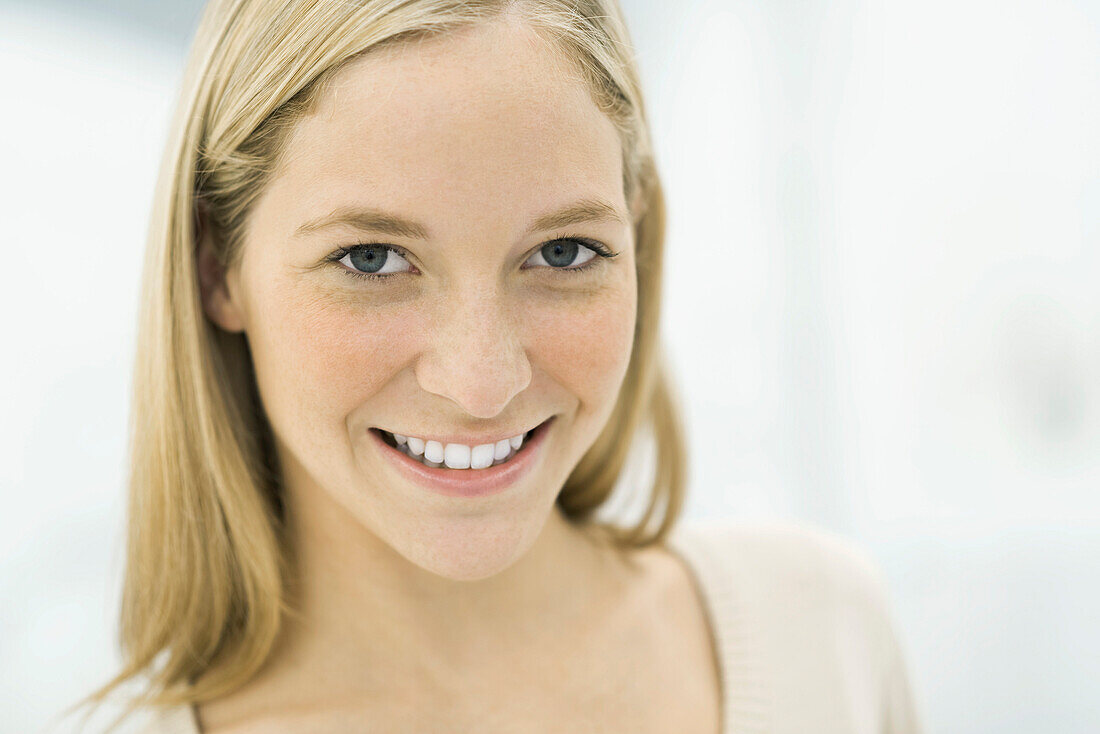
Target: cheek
point(317, 359)
point(585, 343)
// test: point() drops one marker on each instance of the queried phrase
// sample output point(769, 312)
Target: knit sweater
point(803, 630)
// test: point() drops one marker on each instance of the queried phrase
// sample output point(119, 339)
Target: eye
point(371, 261)
point(381, 262)
point(570, 253)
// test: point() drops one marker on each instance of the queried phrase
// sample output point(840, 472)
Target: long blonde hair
point(206, 566)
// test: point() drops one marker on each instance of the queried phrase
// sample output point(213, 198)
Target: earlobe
point(217, 302)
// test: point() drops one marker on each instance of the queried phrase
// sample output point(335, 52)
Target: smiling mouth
point(498, 457)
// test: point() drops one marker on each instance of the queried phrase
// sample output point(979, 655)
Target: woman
point(400, 329)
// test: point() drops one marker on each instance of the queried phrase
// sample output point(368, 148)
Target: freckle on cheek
point(354, 351)
point(590, 344)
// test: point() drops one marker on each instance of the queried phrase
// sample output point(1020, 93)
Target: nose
point(475, 357)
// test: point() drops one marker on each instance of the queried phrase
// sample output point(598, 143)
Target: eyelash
point(599, 248)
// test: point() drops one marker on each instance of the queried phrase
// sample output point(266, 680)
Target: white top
point(803, 628)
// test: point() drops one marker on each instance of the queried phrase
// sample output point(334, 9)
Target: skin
point(406, 595)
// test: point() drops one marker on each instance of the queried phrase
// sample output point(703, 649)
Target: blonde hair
point(206, 567)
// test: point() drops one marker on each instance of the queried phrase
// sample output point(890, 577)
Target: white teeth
point(433, 451)
point(456, 456)
point(482, 456)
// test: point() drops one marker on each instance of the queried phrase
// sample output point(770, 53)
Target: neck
point(371, 619)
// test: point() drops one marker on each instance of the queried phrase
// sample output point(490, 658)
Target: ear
point(218, 302)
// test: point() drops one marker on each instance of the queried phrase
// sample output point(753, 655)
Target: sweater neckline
point(734, 631)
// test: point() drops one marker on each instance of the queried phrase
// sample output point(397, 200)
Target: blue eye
point(370, 261)
point(374, 261)
point(561, 254)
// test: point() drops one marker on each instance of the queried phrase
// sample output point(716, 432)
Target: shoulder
point(793, 573)
point(800, 552)
point(805, 612)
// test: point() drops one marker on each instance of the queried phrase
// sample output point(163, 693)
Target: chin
point(470, 548)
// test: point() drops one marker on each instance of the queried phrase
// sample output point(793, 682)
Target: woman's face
point(475, 329)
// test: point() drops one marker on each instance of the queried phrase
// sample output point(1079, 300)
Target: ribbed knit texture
point(802, 627)
point(745, 691)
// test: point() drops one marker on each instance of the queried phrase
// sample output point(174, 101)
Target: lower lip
point(468, 482)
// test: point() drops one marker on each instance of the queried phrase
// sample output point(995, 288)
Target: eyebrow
point(376, 220)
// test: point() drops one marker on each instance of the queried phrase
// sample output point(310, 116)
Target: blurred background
point(882, 312)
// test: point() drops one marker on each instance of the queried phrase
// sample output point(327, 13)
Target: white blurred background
point(883, 314)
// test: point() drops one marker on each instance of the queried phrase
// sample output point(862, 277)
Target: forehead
point(486, 121)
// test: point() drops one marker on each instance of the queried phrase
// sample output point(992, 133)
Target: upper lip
point(468, 439)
